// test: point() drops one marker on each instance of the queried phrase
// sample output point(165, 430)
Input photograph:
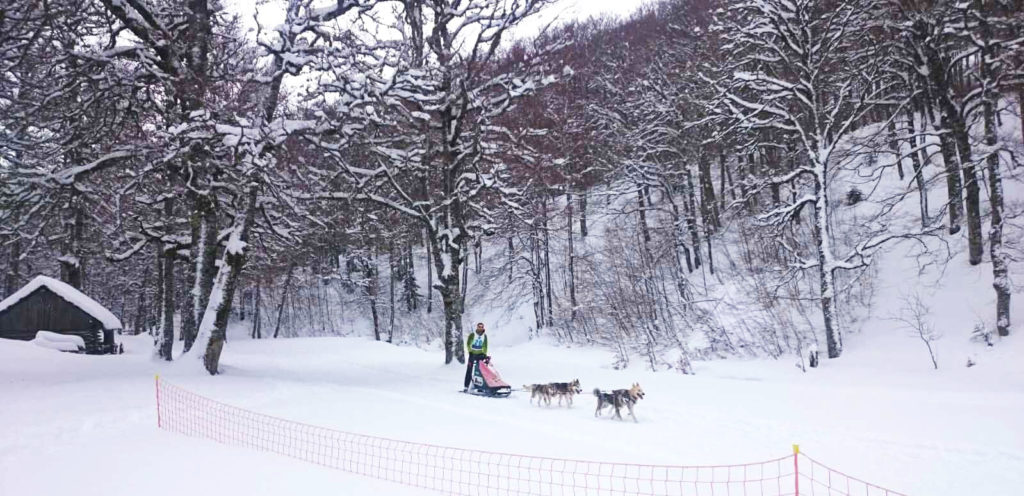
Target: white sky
point(582, 9)
point(271, 12)
point(563, 9)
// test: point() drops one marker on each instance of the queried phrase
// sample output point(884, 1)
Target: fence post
point(157, 385)
point(796, 469)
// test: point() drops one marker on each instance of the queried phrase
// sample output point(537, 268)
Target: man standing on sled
point(476, 347)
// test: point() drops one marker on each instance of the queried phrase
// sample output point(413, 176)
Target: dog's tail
point(597, 392)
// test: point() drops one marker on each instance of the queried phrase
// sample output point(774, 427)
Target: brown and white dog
point(565, 390)
point(617, 399)
point(540, 391)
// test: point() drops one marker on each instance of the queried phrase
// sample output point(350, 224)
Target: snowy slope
point(92, 419)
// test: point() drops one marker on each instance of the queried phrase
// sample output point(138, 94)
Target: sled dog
point(565, 390)
point(617, 399)
point(540, 391)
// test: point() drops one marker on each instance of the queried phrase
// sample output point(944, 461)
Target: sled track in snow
point(474, 472)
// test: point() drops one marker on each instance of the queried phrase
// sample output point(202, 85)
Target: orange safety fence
point(460, 471)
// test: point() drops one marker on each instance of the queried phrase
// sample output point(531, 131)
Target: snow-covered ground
point(86, 424)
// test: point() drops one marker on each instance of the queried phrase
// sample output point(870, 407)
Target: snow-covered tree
point(803, 74)
point(992, 31)
point(437, 152)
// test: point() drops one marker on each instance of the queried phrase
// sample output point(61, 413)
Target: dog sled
point(486, 381)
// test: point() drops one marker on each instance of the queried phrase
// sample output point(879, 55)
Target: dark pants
point(470, 360)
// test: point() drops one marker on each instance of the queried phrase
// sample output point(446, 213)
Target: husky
point(617, 399)
point(540, 391)
point(565, 390)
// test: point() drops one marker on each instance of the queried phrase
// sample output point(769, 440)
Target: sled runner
point(487, 382)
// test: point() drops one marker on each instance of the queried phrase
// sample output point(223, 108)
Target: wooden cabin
point(46, 304)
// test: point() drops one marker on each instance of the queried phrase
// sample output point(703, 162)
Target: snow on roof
point(68, 293)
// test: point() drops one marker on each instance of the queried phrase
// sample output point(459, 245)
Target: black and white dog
point(617, 399)
point(540, 391)
point(565, 390)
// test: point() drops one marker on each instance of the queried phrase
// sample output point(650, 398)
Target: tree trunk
point(642, 211)
point(708, 204)
point(166, 343)
point(822, 241)
point(141, 312)
point(241, 306)
point(257, 313)
point(71, 259)
point(449, 261)
point(205, 259)
point(1000, 260)
point(954, 187)
point(78, 276)
point(13, 277)
point(583, 214)
point(678, 230)
point(452, 319)
point(679, 240)
point(745, 174)
point(167, 328)
point(391, 288)
point(371, 296)
point(727, 174)
point(916, 139)
point(721, 182)
point(547, 262)
point(691, 218)
point(412, 276)
point(430, 274)
point(572, 266)
point(956, 152)
point(213, 329)
point(409, 287)
point(975, 244)
point(711, 259)
point(190, 326)
point(185, 301)
point(158, 302)
point(372, 290)
point(511, 259)
point(1000, 265)
point(769, 159)
point(536, 260)
point(465, 279)
point(894, 146)
point(792, 152)
point(284, 298)
point(478, 255)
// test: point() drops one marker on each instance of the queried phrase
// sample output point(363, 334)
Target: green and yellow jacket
point(481, 345)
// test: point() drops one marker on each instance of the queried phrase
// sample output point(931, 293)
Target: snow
point(209, 320)
point(235, 245)
point(68, 293)
point(59, 342)
point(890, 421)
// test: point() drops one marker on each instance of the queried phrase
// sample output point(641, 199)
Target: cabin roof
point(67, 293)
